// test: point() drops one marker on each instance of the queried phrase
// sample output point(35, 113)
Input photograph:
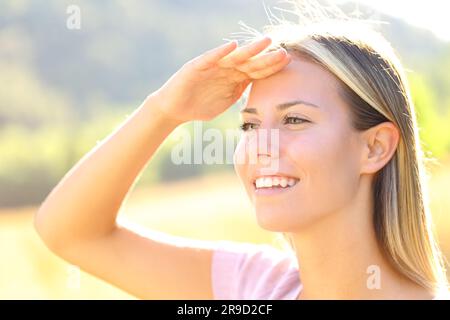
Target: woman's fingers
point(263, 62)
point(209, 58)
point(244, 53)
point(263, 73)
point(243, 59)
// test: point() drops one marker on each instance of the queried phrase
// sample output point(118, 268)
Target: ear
point(379, 145)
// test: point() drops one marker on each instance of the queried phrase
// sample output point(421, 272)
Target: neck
point(339, 257)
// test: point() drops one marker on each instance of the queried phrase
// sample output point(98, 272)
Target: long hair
point(374, 85)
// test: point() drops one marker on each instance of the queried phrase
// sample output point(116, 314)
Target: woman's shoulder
point(254, 271)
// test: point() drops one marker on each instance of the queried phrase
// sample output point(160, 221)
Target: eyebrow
point(282, 106)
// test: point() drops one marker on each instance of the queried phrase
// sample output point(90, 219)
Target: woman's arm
point(85, 203)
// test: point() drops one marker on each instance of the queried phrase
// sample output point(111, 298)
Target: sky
point(430, 14)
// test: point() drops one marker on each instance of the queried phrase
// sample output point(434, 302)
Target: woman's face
point(316, 157)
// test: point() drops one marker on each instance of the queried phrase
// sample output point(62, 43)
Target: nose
point(263, 145)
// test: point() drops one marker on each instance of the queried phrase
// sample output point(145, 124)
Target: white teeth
point(268, 182)
point(259, 183)
point(291, 182)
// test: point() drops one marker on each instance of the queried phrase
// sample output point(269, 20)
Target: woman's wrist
point(154, 105)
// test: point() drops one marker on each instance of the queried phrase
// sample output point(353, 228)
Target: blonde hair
point(373, 83)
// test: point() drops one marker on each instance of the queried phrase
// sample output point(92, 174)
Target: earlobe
point(381, 142)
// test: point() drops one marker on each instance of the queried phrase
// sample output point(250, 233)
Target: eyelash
point(244, 125)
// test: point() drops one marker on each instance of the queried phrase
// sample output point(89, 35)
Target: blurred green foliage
point(433, 123)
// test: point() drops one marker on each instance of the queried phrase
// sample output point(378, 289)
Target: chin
point(276, 220)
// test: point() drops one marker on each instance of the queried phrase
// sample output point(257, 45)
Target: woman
point(347, 190)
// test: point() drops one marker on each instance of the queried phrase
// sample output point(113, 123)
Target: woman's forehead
point(300, 80)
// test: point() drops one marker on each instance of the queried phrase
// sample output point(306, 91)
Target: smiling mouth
point(279, 183)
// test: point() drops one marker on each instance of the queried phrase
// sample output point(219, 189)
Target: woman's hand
point(209, 84)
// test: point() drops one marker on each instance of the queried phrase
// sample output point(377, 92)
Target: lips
point(268, 186)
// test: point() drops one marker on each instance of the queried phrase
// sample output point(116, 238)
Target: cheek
point(327, 162)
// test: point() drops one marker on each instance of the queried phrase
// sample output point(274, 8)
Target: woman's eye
point(247, 126)
point(287, 120)
point(294, 120)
